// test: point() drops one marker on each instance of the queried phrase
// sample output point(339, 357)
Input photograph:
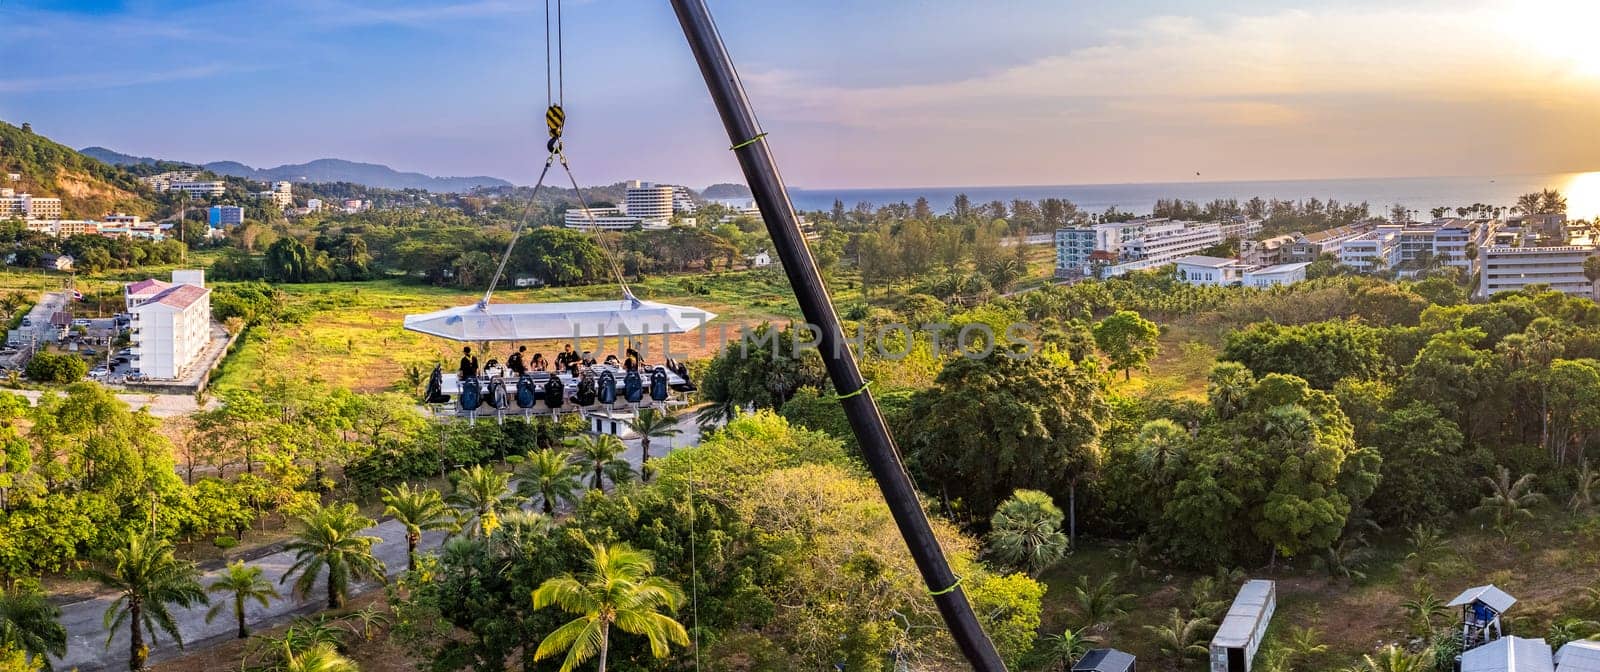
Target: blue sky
point(855, 94)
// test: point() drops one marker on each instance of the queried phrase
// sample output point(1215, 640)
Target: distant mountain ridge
point(321, 170)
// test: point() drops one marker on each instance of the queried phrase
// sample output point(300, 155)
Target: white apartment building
point(682, 201)
point(1240, 227)
point(1114, 248)
point(187, 181)
point(1372, 251)
point(281, 194)
point(204, 188)
point(601, 219)
point(1264, 252)
point(170, 327)
point(1508, 268)
point(1203, 270)
point(26, 206)
point(649, 201)
point(1280, 274)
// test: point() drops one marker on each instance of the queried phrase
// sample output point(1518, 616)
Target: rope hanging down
point(555, 119)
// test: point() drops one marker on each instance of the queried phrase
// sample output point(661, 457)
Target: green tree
point(1099, 604)
point(1181, 639)
point(1025, 532)
point(148, 582)
point(1068, 646)
point(1127, 339)
point(482, 495)
point(30, 624)
point(1424, 610)
point(1396, 659)
point(1321, 353)
point(242, 584)
point(549, 477)
point(1161, 444)
point(651, 423)
point(419, 510)
point(330, 541)
point(618, 590)
point(1508, 501)
point(603, 454)
point(1424, 471)
point(990, 426)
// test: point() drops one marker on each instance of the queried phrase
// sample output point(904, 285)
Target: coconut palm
point(550, 477)
point(1026, 532)
point(1429, 549)
point(618, 590)
point(148, 582)
point(1508, 501)
point(1347, 558)
point(1066, 648)
point(1304, 643)
point(1570, 629)
point(603, 454)
point(330, 539)
point(320, 658)
point(418, 510)
point(30, 624)
point(481, 496)
point(1395, 659)
point(1182, 638)
point(241, 584)
point(651, 423)
point(1423, 610)
point(1099, 604)
point(1583, 492)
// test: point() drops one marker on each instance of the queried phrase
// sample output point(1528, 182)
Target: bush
point(224, 542)
point(52, 368)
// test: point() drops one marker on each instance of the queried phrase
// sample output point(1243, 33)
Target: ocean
point(1419, 193)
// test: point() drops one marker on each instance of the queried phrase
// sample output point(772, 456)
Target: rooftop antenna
point(878, 447)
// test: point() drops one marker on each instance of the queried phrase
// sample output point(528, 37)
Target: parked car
point(81, 322)
point(98, 371)
point(26, 322)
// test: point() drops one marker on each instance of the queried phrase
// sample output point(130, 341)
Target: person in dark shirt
point(630, 364)
point(515, 363)
point(469, 363)
point(566, 358)
point(538, 363)
point(588, 358)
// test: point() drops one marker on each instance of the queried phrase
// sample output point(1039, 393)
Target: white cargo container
point(1240, 635)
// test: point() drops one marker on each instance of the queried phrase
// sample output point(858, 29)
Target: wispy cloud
point(328, 14)
point(91, 81)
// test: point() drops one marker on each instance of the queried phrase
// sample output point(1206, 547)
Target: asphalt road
point(88, 648)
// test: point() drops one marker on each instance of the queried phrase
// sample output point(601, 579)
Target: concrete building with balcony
point(649, 201)
point(27, 206)
point(1203, 270)
point(1114, 248)
point(1373, 251)
point(223, 216)
point(171, 323)
point(1511, 268)
point(1279, 274)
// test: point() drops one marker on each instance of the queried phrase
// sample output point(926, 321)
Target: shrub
point(52, 368)
point(224, 542)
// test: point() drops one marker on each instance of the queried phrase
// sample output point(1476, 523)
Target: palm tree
point(320, 658)
point(550, 477)
point(1570, 629)
point(602, 453)
point(482, 495)
point(617, 590)
point(1160, 447)
point(1429, 549)
point(1346, 558)
point(148, 580)
point(1067, 647)
point(418, 510)
point(1099, 604)
point(1423, 610)
point(330, 538)
point(1303, 644)
point(30, 624)
point(1182, 638)
point(1026, 531)
point(1508, 500)
point(650, 423)
point(241, 584)
point(1583, 493)
point(1395, 659)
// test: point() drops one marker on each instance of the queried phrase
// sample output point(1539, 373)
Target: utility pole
point(877, 445)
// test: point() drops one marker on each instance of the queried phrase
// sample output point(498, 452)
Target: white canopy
point(1497, 599)
point(576, 319)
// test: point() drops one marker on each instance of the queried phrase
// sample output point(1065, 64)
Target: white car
point(80, 322)
point(98, 372)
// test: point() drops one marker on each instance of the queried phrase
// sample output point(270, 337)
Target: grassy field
point(352, 335)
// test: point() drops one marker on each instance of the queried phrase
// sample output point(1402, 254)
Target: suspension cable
point(594, 228)
point(515, 231)
point(548, 100)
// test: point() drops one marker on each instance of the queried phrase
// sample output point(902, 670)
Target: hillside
point(86, 186)
point(320, 170)
point(726, 190)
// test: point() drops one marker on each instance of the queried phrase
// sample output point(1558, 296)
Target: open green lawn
point(1547, 565)
point(351, 336)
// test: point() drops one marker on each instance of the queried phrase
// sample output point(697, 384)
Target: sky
point(870, 93)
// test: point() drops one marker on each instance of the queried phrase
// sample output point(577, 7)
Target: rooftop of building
point(178, 296)
point(1202, 260)
point(1277, 269)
